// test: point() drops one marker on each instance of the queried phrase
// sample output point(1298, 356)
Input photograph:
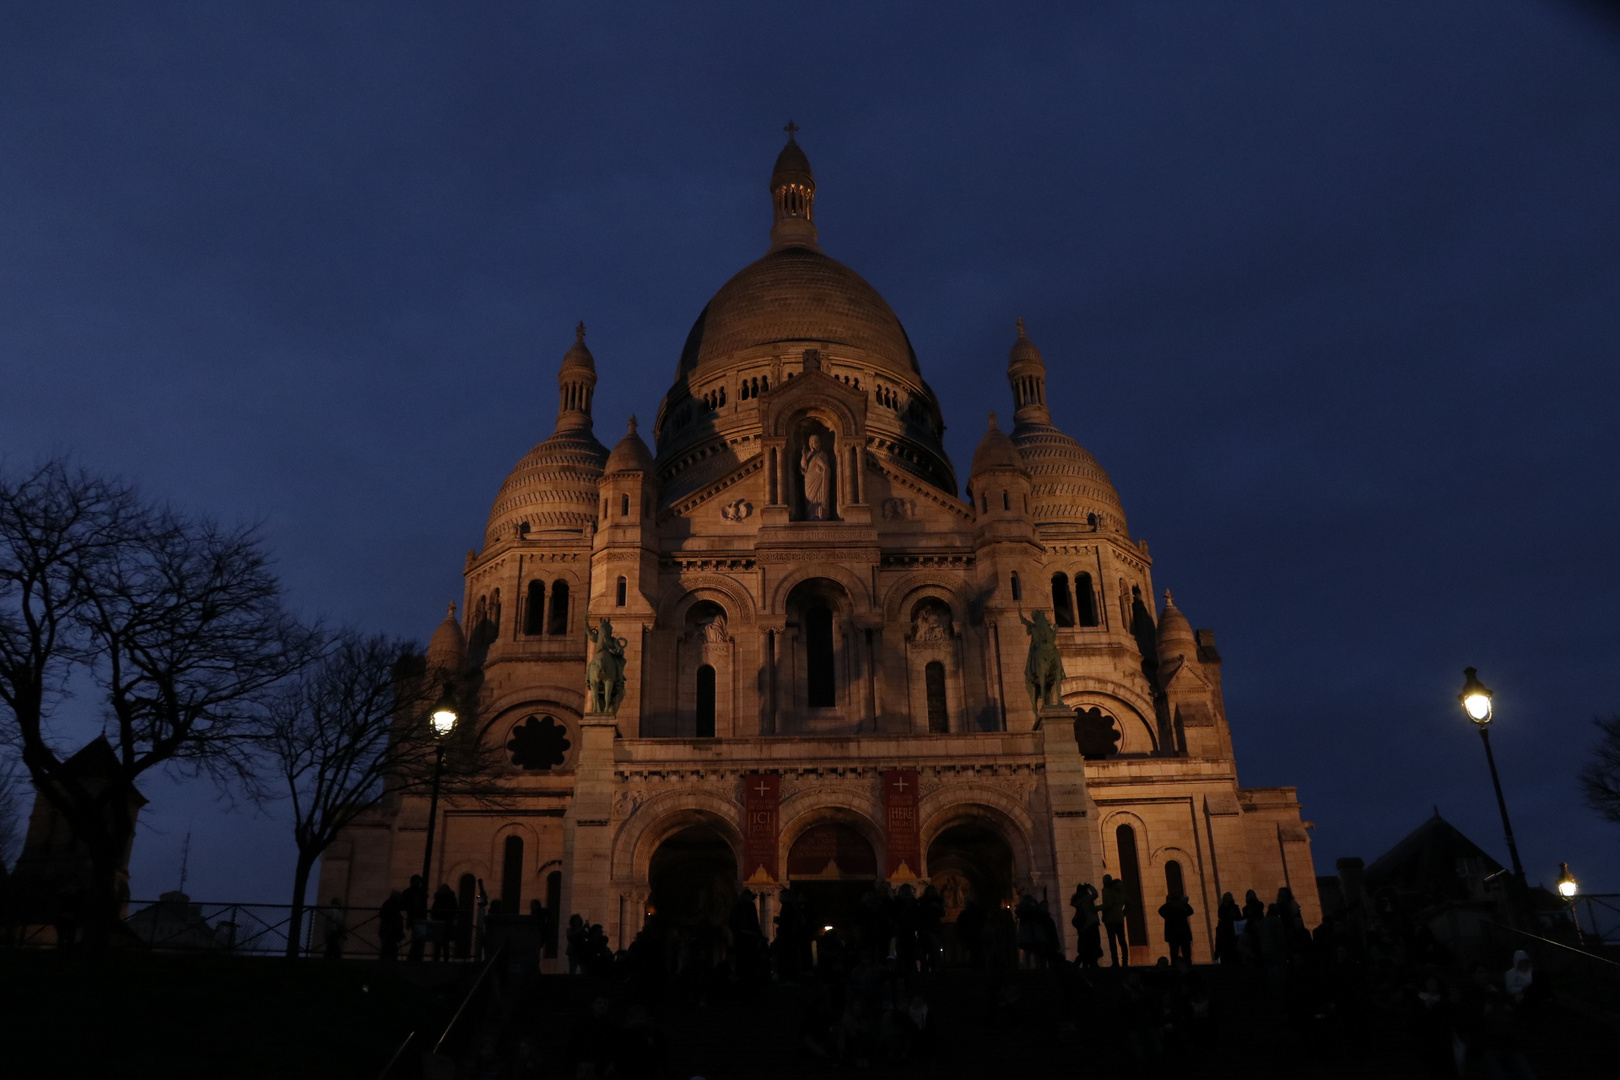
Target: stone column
point(1073, 820)
point(587, 886)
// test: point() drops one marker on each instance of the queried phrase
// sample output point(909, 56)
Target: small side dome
point(631, 455)
point(996, 451)
point(1175, 633)
point(447, 648)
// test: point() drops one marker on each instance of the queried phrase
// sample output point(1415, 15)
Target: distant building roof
point(1435, 861)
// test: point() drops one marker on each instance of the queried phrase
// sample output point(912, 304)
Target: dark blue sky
point(1331, 290)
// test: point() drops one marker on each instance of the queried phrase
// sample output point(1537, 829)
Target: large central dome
point(797, 295)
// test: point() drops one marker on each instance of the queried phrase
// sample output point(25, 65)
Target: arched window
point(1173, 884)
point(512, 875)
point(534, 609)
point(624, 506)
point(622, 593)
point(558, 623)
point(1006, 501)
point(934, 678)
point(495, 613)
point(818, 655)
point(1085, 599)
point(984, 504)
point(1062, 603)
point(1017, 593)
point(1130, 876)
point(705, 702)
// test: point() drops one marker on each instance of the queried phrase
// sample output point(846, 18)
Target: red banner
point(904, 848)
point(761, 822)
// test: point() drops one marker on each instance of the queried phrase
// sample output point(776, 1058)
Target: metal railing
point(1577, 977)
point(1598, 915)
point(237, 929)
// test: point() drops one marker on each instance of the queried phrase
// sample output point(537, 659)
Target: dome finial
point(1167, 601)
point(631, 430)
point(793, 197)
point(576, 384)
point(452, 612)
point(992, 418)
point(1026, 371)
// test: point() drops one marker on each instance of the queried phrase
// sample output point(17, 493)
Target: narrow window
point(558, 623)
point(624, 506)
point(534, 609)
point(1017, 593)
point(934, 677)
point(1086, 599)
point(512, 875)
point(705, 702)
point(818, 649)
point(1135, 920)
point(1173, 885)
point(1006, 501)
point(1062, 602)
point(984, 504)
point(619, 597)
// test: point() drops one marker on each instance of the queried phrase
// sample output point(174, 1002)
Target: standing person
point(1228, 914)
point(416, 911)
point(444, 920)
point(1113, 919)
point(334, 928)
point(1029, 931)
point(390, 926)
point(1087, 929)
point(481, 916)
point(930, 913)
point(576, 943)
point(970, 931)
point(1177, 915)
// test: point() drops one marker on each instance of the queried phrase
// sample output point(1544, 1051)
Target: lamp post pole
point(433, 817)
point(444, 721)
point(1476, 702)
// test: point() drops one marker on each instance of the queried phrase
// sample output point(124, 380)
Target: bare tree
point(1600, 778)
point(176, 622)
point(353, 731)
point(13, 790)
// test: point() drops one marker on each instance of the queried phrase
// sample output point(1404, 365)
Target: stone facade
point(825, 647)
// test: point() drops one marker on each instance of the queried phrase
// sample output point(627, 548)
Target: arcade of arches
point(825, 637)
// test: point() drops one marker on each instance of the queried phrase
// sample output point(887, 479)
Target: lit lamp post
point(444, 721)
point(1476, 702)
point(1567, 888)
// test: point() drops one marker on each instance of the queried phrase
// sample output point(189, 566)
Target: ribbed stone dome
point(795, 296)
point(1068, 482)
point(553, 487)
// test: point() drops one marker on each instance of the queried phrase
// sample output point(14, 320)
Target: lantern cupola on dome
point(793, 197)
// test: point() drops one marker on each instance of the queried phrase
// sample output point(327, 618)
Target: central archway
point(693, 875)
point(971, 863)
point(832, 866)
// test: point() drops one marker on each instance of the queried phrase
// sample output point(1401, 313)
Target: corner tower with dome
point(826, 647)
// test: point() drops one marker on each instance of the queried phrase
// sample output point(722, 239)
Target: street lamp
point(444, 721)
point(1476, 702)
point(1567, 888)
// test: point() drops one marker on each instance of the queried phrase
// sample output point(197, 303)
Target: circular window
point(538, 742)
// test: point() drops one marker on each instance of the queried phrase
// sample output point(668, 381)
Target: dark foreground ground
point(133, 1017)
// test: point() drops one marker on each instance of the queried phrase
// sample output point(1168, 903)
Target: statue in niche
point(710, 629)
point(933, 624)
point(604, 675)
point(816, 468)
point(1043, 671)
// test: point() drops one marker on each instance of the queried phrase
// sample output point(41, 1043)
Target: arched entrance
point(971, 864)
point(832, 866)
point(694, 877)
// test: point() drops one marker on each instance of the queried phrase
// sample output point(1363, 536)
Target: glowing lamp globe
point(444, 714)
point(1475, 698)
point(1567, 886)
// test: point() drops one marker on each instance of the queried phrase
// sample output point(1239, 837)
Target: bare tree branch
point(1600, 778)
